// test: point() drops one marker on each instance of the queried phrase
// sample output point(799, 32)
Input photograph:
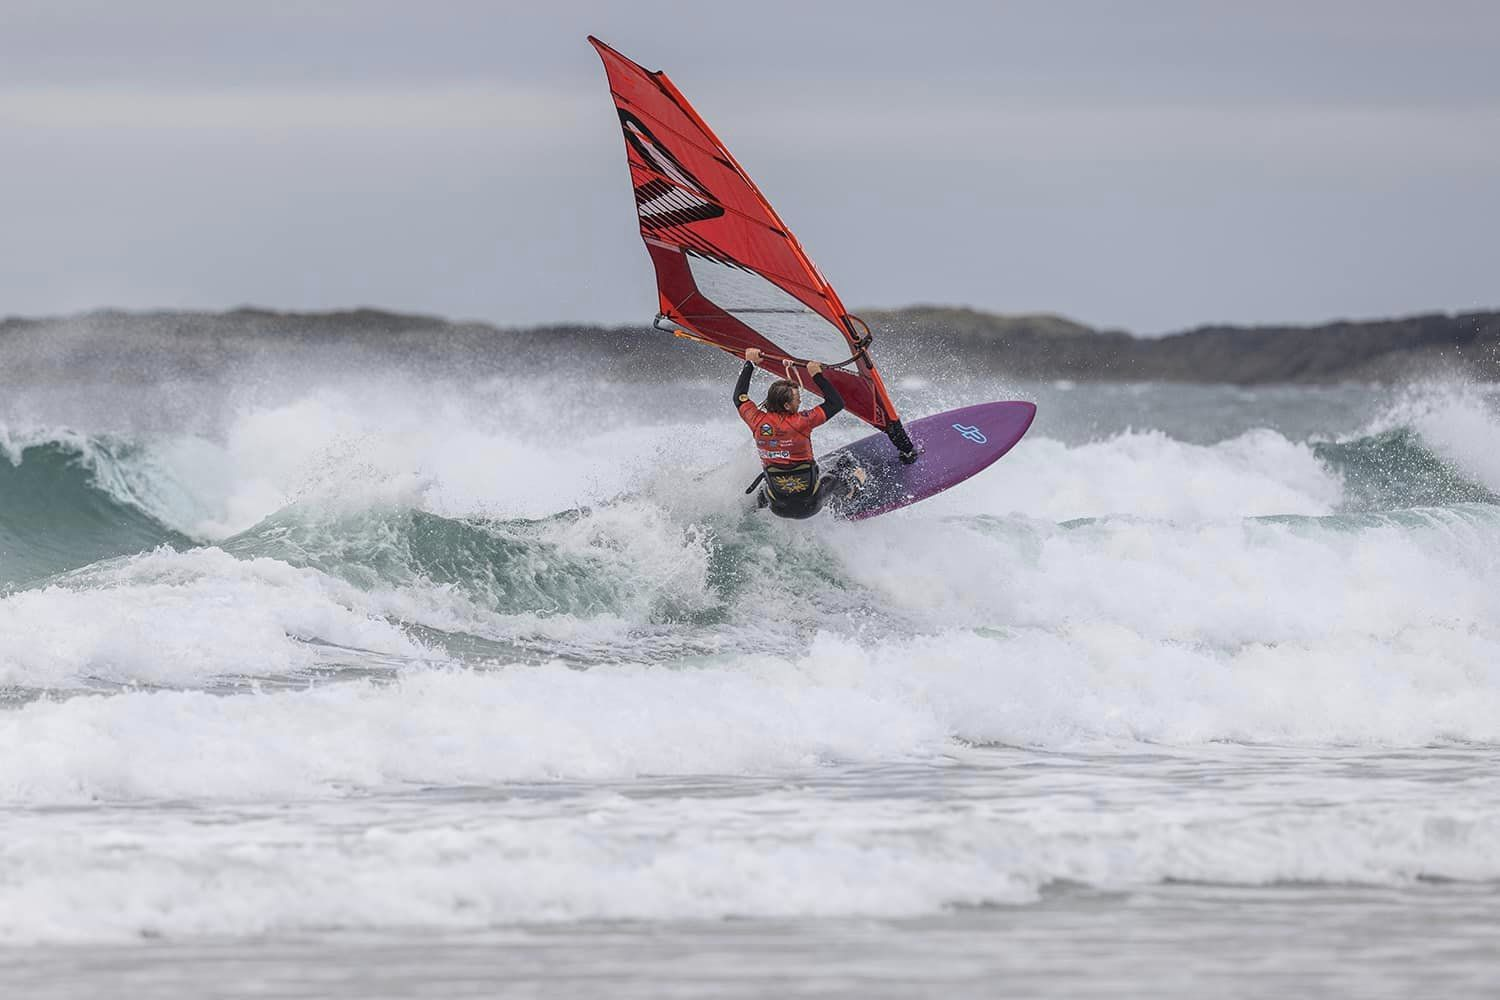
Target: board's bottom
point(954, 446)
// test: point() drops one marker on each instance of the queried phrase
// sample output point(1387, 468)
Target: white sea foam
point(184, 618)
point(1066, 686)
point(1221, 583)
point(778, 853)
point(202, 616)
point(1149, 474)
point(498, 451)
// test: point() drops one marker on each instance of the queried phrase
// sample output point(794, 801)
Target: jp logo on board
point(969, 433)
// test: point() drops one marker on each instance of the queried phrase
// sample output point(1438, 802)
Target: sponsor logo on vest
point(970, 433)
point(765, 430)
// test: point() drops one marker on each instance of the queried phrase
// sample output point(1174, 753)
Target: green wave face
point(53, 517)
point(626, 560)
point(1395, 470)
point(508, 565)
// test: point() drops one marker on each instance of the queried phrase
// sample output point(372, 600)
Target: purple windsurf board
point(954, 446)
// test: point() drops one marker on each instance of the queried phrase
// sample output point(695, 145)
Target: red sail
point(727, 267)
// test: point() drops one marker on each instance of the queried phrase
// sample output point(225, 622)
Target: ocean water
point(366, 682)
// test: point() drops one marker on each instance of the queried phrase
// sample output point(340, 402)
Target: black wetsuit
point(794, 489)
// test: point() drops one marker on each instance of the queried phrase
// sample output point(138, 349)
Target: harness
point(793, 491)
point(792, 483)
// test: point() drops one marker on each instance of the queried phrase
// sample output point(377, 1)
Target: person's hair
point(780, 397)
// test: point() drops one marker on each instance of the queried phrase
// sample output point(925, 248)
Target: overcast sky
point(1149, 165)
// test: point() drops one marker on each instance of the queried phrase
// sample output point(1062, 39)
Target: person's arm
point(742, 387)
point(832, 401)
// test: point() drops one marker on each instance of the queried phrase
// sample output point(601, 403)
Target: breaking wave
point(349, 625)
point(1129, 587)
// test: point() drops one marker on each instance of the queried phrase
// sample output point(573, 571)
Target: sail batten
point(728, 268)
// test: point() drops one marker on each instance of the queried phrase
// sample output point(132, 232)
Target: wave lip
point(1394, 469)
point(55, 515)
point(606, 561)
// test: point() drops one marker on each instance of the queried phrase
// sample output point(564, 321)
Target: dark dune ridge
point(152, 346)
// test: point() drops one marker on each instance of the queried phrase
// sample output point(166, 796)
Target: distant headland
point(149, 346)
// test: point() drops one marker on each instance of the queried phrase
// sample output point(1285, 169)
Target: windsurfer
point(793, 486)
